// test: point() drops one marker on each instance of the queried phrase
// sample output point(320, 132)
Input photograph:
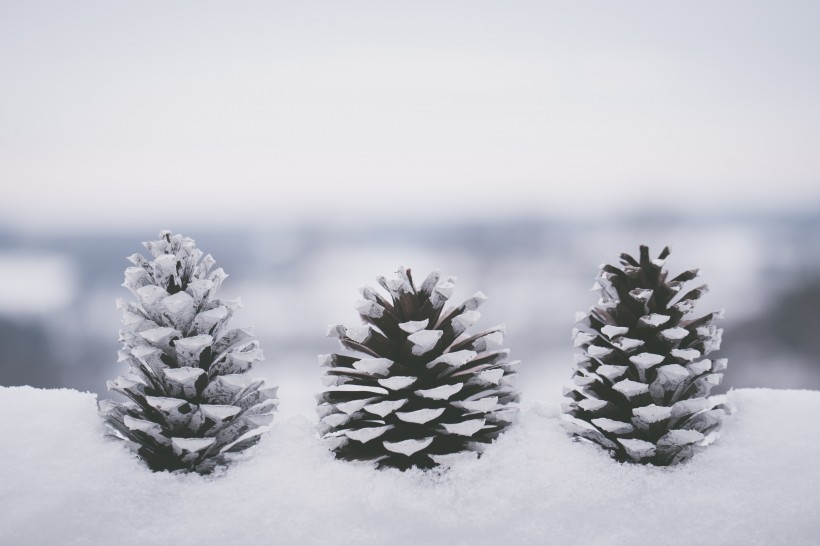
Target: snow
point(686, 354)
point(681, 437)
point(644, 361)
point(420, 416)
point(413, 326)
point(456, 359)
point(385, 407)
point(700, 367)
point(373, 366)
point(353, 406)
point(611, 371)
point(191, 444)
point(359, 334)
point(627, 344)
point(613, 426)
point(582, 338)
point(672, 373)
point(63, 482)
point(638, 449)
point(598, 352)
point(612, 331)
point(630, 388)
point(491, 376)
point(592, 404)
point(654, 319)
point(677, 333)
point(397, 382)
point(408, 447)
point(159, 335)
point(641, 294)
point(652, 413)
point(465, 428)
point(424, 340)
point(357, 388)
point(366, 434)
point(442, 392)
point(481, 405)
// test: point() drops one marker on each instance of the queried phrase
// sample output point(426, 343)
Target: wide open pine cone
point(420, 391)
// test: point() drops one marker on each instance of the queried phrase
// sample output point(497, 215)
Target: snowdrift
point(63, 482)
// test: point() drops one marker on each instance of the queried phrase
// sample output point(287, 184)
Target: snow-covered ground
point(63, 482)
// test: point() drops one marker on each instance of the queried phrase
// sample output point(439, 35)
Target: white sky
point(139, 113)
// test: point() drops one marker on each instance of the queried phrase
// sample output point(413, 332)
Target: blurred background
point(311, 146)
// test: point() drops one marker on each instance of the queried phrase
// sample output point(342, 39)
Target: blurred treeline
point(295, 280)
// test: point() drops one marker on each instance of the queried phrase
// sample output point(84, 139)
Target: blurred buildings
point(295, 281)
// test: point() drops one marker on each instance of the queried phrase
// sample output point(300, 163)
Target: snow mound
point(63, 482)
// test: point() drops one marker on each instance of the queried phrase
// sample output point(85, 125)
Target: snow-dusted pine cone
point(191, 404)
point(421, 391)
point(641, 379)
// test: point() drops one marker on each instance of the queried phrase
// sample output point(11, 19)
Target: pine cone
point(191, 404)
point(421, 391)
point(641, 384)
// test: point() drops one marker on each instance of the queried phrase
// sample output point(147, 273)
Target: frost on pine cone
point(421, 391)
point(641, 379)
point(191, 404)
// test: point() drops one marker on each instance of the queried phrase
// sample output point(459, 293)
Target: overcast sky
point(131, 114)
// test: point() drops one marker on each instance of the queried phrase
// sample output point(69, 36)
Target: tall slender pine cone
point(420, 391)
point(191, 404)
point(641, 382)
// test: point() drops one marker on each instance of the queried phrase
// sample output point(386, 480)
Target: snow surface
point(63, 482)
